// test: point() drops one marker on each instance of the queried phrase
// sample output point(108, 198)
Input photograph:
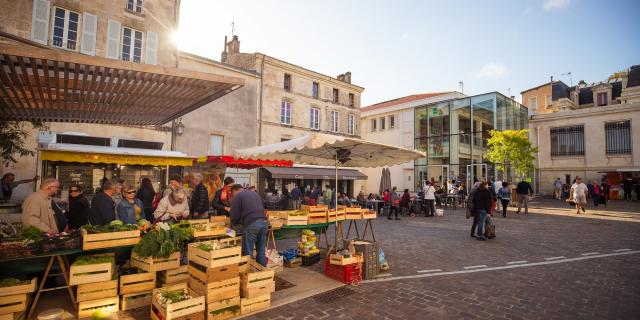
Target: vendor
point(9, 183)
point(173, 207)
point(247, 210)
point(37, 210)
point(103, 208)
point(222, 199)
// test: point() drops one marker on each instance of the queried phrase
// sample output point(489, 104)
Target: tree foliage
point(511, 148)
point(12, 140)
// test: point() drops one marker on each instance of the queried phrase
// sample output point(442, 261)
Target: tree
point(511, 148)
point(12, 140)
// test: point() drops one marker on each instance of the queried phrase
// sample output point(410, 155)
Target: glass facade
point(454, 135)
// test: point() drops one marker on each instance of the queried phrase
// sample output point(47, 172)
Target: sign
point(435, 112)
point(125, 159)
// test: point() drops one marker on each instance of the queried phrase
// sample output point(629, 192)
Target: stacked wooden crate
point(97, 286)
point(13, 299)
point(316, 214)
point(291, 217)
point(136, 290)
point(190, 307)
point(214, 273)
point(256, 285)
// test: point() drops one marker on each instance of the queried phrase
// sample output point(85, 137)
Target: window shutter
point(89, 28)
point(40, 21)
point(152, 48)
point(113, 40)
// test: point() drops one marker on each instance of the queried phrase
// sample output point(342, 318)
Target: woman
point(213, 185)
point(596, 194)
point(222, 199)
point(482, 206)
point(78, 213)
point(605, 193)
point(405, 200)
point(130, 209)
point(146, 194)
point(430, 200)
point(173, 207)
point(362, 200)
point(504, 195)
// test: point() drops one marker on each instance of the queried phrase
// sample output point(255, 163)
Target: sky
point(398, 48)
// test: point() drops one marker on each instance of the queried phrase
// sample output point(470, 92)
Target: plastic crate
point(311, 260)
point(369, 251)
point(349, 274)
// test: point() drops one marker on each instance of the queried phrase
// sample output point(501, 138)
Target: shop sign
point(124, 159)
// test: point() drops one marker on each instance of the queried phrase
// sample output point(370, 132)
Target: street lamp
point(179, 128)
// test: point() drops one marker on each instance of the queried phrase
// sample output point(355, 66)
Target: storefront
point(277, 179)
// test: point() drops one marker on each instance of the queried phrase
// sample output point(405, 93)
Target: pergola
point(54, 85)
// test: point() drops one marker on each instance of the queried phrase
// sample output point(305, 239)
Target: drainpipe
point(260, 102)
point(538, 159)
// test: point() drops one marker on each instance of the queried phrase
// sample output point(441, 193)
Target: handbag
point(468, 213)
point(489, 228)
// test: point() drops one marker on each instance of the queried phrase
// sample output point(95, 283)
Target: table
point(321, 226)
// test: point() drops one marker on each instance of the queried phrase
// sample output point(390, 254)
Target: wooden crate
point(353, 210)
point(207, 275)
point(211, 229)
point(89, 273)
point(229, 254)
point(257, 280)
point(342, 261)
point(216, 291)
point(220, 220)
point(151, 264)
point(249, 305)
point(341, 216)
point(193, 316)
point(97, 290)
point(318, 208)
point(172, 276)
point(300, 220)
point(317, 217)
point(243, 266)
point(13, 303)
point(92, 241)
point(195, 305)
point(253, 292)
point(23, 288)
point(139, 282)
point(9, 316)
point(136, 300)
point(293, 263)
point(224, 309)
point(86, 309)
point(353, 215)
point(369, 215)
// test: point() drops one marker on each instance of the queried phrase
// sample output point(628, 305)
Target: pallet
point(249, 305)
point(139, 282)
point(23, 288)
point(13, 303)
point(195, 305)
point(89, 273)
point(151, 264)
point(91, 241)
point(229, 254)
point(216, 291)
point(86, 309)
point(257, 281)
point(224, 309)
point(342, 261)
point(172, 276)
point(207, 275)
point(136, 300)
point(293, 263)
point(97, 290)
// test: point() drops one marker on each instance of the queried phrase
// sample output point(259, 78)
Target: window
point(548, 101)
point(335, 118)
point(65, 29)
point(336, 96)
point(374, 125)
point(392, 122)
point(352, 100)
point(285, 113)
point(315, 90)
point(216, 145)
point(382, 123)
point(350, 124)
point(315, 119)
point(567, 141)
point(287, 82)
point(618, 137)
point(602, 99)
point(134, 5)
point(131, 45)
point(533, 103)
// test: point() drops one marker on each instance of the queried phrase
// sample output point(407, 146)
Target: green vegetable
point(10, 282)
point(205, 247)
point(116, 223)
point(142, 222)
point(85, 260)
point(231, 309)
point(160, 243)
point(31, 235)
point(173, 296)
point(110, 228)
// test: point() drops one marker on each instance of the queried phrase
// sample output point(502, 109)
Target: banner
point(125, 159)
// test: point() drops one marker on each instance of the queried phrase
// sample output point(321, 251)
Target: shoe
point(472, 236)
point(504, 215)
point(389, 218)
point(397, 218)
point(481, 238)
point(583, 210)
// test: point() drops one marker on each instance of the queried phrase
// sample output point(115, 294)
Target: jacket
point(429, 193)
point(37, 212)
point(482, 200)
point(524, 188)
point(166, 207)
point(103, 209)
point(219, 205)
point(392, 198)
point(146, 196)
point(199, 199)
point(246, 208)
point(78, 214)
point(127, 213)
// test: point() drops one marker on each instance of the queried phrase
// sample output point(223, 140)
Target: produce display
point(114, 226)
point(163, 240)
point(307, 243)
point(10, 282)
point(172, 296)
point(31, 236)
point(95, 259)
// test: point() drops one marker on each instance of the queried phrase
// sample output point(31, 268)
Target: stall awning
point(316, 173)
point(232, 162)
point(123, 156)
point(55, 85)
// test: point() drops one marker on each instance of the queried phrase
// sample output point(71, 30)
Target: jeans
point(475, 223)
point(393, 209)
point(557, 192)
point(431, 207)
point(296, 204)
point(505, 204)
point(523, 198)
point(255, 234)
point(482, 216)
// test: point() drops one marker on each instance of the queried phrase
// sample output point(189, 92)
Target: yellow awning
point(127, 159)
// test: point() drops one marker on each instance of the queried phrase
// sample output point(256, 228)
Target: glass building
point(454, 135)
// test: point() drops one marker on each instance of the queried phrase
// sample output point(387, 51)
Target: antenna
point(570, 77)
point(233, 28)
point(509, 90)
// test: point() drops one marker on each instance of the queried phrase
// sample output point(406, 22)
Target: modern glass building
point(454, 135)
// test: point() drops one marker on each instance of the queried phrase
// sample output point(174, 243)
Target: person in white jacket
point(430, 199)
point(173, 207)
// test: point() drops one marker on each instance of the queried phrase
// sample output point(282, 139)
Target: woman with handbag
point(504, 195)
point(394, 202)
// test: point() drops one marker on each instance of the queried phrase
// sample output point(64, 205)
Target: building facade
point(392, 122)
point(592, 134)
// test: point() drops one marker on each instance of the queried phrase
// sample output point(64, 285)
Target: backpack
point(489, 229)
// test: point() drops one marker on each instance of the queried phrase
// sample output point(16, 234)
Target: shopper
point(314, 195)
point(627, 186)
point(579, 195)
point(471, 207)
point(146, 194)
point(557, 189)
point(496, 188)
point(103, 208)
point(328, 197)
point(78, 213)
point(37, 210)
point(131, 208)
point(523, 190)
point(61, 220)
point(405, 202)
point(362, 200)
point(504, 197)
point(213, 185)
point(604, 198)
point(247, 210)
point(175, 183)
point(394, 201)
point(222, 200)
point(482, 206)
point(9, 183)
point(173, 207)
point(596, 193)
point(430, 200)
point(296, 197)
point(199, 207)
point(117, 191)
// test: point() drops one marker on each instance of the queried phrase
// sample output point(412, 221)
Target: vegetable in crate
point(31, 236)
point(163, 240)
point(85, 260)
point(10, 282)
point(172, 296)
point(110, 227)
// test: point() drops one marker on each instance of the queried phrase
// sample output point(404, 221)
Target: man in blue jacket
point(247, 210)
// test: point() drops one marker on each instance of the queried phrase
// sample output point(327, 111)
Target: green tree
point(12, 140)
point(511, 148)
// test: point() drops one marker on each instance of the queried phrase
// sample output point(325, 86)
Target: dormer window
point(134, 6)
point(602, 99)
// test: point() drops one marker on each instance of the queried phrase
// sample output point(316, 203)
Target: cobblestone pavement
point(557, 266)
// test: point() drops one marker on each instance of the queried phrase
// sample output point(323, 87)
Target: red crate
point(349, 274)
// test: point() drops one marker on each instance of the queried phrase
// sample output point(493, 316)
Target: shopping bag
point(439, 212)
point(489, 228)
point(274, 259)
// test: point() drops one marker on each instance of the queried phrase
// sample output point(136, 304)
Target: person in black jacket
point(199, 198)
point(103, 209)
point(482, 207)
point(78, 213)
point(222, 199)
point(146, 194)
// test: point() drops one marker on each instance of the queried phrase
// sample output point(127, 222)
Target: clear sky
point(397, 48)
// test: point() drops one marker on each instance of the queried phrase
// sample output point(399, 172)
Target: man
point(102, 205)
point(627, 185)
point(175, 183)
point(37, 210)
point(199, 198)
point(328, 196)
point(579, 194)
point(482, 206)
point(296, 197)
point(9, 183)
point(557, 189)
point(523, 190)
point(223, 197)
point(471, 207)
point(248, 211)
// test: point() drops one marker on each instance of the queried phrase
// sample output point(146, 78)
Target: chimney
point(347, 77)
point(234, 45)
point(551, 78)
point(223, 56)
point(340, 77)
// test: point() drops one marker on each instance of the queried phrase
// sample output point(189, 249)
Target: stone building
point(589, 130)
